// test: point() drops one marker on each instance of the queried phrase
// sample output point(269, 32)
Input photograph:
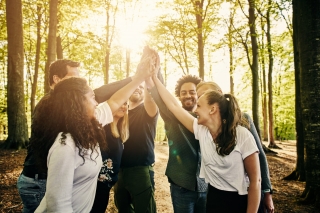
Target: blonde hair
point(213, 85)
point(121, 129)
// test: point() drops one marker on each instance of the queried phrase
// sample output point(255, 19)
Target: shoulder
point(242, 130)
point(64, 139)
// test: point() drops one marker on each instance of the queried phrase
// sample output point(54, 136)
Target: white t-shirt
point(225, 172)
point(71, 185)
point(104, 114)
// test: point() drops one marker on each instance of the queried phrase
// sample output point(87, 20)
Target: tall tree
point(272, 143)
point(200, 15)
point(17, 120)
point(254, 65)
point(52, 40)
point(299, 172)
point(308, 29)
point(111, 11)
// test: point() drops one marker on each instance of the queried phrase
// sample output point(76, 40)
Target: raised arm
point(173, 105)
point(122, 95)
point(105, 92)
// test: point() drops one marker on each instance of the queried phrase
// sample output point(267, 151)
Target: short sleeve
point(104, 114)
point(246, 142)
point(196, 128)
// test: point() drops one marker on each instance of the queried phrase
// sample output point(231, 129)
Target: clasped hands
point(149, 64)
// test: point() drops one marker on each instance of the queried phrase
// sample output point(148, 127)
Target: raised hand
point(149, 63)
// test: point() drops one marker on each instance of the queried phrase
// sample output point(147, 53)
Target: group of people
point(84, 142)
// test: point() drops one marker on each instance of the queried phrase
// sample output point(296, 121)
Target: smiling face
point(90, 103)
point(188, 96)
point(203, 110)
point(121, 111)
point(138, 94)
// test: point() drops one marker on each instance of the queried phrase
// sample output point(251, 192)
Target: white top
point(71, 185)
point(225, 172)
point(104, 114)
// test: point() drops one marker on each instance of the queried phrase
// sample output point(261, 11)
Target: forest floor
point(286, 193)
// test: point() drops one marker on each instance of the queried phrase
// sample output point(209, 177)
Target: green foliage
point(173, 32)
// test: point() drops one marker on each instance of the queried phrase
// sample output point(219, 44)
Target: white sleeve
point(61, 166)
point(104, 114)
point(247, 143)
point(195, 128)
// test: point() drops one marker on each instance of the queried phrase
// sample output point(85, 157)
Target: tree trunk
point(254, 66)
point(198, 5)
point(17, 120)
point(264, 88)
point(128, 51)
point(59, 48)
point(308, 12)
point(107, 64)
point(37, 61)
point(272, 143)
point(52, 36)
point(230, 45)
point(299, 172)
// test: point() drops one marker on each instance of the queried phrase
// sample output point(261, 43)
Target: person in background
point(266, 203)
point(31, 183)
point(135, 186)
point(229, 155)
point(187, 189)
point(117, 133)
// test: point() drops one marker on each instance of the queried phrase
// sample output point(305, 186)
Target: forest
point(266, 53)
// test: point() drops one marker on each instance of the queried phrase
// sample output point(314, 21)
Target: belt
point(34, 175)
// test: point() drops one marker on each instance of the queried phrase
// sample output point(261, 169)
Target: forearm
point(254, 193)
point(181, 114)
point(123, 94)
point(104, 92)
point(165, 95)
point(149, 104)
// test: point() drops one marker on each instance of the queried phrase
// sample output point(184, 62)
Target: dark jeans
point(101, 199)
point(186, 201)
point(31, 191)
point(135, 189)
point(225, 201)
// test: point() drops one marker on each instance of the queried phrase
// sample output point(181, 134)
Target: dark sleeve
point(165, 113)
point(104, 92)
point(265, 177)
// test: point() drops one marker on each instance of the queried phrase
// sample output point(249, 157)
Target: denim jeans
point(31, 191)
point(186, 201)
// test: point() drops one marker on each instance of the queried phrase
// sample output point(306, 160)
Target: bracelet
point(267, 190)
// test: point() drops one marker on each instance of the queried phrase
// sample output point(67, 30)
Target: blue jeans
point(186, 201)
point(31, 191)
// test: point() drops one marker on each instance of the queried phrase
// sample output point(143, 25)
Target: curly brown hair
point(186, 79)
point(64, 110)
point(230, 115)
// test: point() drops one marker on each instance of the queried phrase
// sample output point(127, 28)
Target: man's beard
point(188, 107)
point(136, 98)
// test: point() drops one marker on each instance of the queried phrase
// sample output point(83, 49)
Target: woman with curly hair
point(117, 133)
point(229, 155)
point(69, 120)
